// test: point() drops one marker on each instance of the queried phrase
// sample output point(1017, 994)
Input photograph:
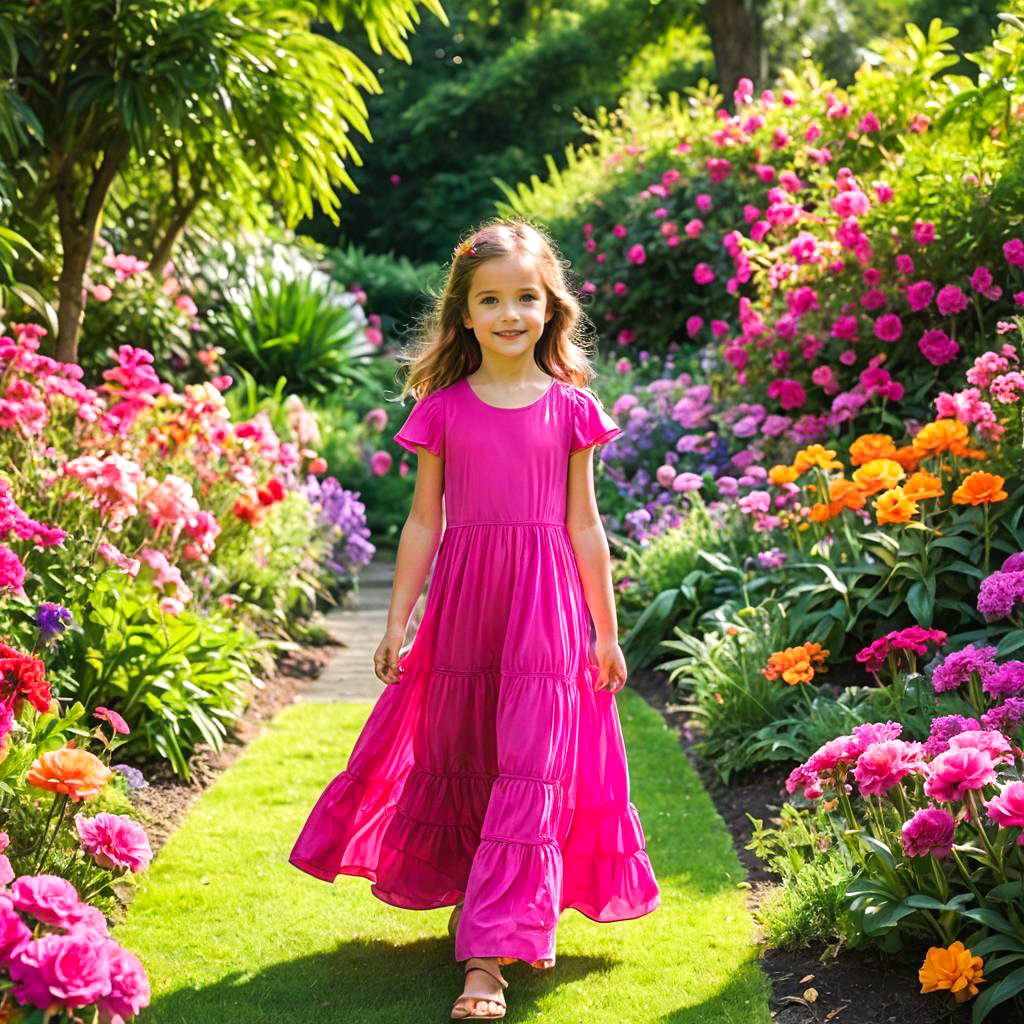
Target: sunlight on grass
point(228, 930)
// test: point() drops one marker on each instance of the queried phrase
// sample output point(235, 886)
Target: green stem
point(53, 836)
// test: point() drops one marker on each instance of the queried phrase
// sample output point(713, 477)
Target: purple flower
point(944, 729)
point(960, 665)
point(52, 620)
point(1015, 563)
point(928, 833)
point(1006, 717)
point(1006, 681)
point(132, 776)
point(999, 594)
point(938, 347)
point(951, 300)
point(773, 558)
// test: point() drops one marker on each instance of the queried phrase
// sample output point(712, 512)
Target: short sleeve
point(591, 424)
point(424, 425)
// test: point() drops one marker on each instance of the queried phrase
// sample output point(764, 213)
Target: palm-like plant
point(237, 101)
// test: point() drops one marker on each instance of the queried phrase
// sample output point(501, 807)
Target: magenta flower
point(956, 771)
point(703, 274)
point(951, 300)
point(991, 741)
point(129, 986)
point(14, 934)
point(929, 833)
point(12, 572)
point(981, 279)
point(843, 750)
point(938, 347)
point(790, 393)
point(943, 729)
point(1013, 252)
point(114, 841)
point(637, 254)
point(118, 723)
point(919, 295)
point(914, 639)
point(924, 232)
point(888, 327)
point(958, 667)
point(869, 123)
point(1000, 594)
point(71, 970)
point(48, 898)
point(1007, 808)
point(883, 764)
point(845, 328)
point(1006, 681)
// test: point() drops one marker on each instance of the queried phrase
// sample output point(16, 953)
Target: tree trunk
point(78, 235)
point(164, 248)
point(737, 41)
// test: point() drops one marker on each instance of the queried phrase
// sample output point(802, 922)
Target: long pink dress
point(493, 771)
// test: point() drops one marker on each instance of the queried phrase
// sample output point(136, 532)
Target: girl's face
point(507, 306)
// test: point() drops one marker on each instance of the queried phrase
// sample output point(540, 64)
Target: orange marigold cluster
point(796, 664)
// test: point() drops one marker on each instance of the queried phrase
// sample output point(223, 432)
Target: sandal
point(468, 1013)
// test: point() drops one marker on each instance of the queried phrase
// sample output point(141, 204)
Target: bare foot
point(482, 995)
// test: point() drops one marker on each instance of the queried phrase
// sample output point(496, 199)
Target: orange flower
point(980, 489)
point(69, 770)
point(842, 493)
point(878, 475)
point(940, 436)
point(906, 457)
point(923, 485)
point(796, 664)
point(780, 475)
point(871, 446)
point(954, 968)
point(815, 455)
point(893, 506)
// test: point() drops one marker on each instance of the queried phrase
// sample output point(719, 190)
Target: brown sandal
point(469, 1014)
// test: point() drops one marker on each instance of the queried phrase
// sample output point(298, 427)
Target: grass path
point(229, 931)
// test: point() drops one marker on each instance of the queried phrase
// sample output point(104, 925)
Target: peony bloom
point(888, 327)
point(48, 898)
point(129, 986)
point(929, 833)
point(69, 770)
point(951, 300)
point(637, 254)
point(878, 475)
point(1007, 808)
point(953, 968)
point(919, 295)
point(71, 970)
point(114, 841)
point(13, 933)
point(883, 764)
point(894, 506)
point(703, 273)
point(868, 447)
point(921, 485)
point(980, 489)
point(958, 770)
point(938, 347)
point(991, 741)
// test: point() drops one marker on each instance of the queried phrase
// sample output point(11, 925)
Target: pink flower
point(993, 743)
point(829, 756)
point(693, 227)
point(1007, 808)
point(869, 123)
point(619, 231)
point(637, 254)
point(186, 305)
point(12, 572)
point(957, 770)
point(130, 566)
point(129, 986)
point(951, 300)
point(693, 325)
point(72, 970)
point(48, 898)
point(924, 232)
point(102, 293)
point(790, 393)
point(981, 279)
point(114, 841)
point(929, 833)
point(884, 194)
point(1013, 252)
point(888, 327)
point(703, 200)
point(883, 764)
point(119, 724)
point(380, 463)
point(845, 328)
point(852, 203)
point(919, 295)
point(703, 274)
point(13, 933)
point(937, 347)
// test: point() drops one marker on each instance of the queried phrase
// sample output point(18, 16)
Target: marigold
point(871, 446)
point(980, 488)
point(906, 457)
point(878, 475)
point(946, 435)
point(796, 664)
point(815, 455)
point(842, 493)
point(780, 475)
point(69, 770)
point(953, 968)
point(893, 506)
point(923, 485)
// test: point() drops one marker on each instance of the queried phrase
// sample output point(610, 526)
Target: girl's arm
point(586, 532)
point(417, 546)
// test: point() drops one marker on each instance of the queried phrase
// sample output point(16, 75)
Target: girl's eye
point(525, 295)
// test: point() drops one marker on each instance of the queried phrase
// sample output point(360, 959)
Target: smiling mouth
point(509, 334)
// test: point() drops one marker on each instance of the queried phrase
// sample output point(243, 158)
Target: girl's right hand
point(385, 658)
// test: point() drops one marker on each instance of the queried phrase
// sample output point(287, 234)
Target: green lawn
point(230, 932)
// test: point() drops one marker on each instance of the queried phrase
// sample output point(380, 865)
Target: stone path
point(359, 625)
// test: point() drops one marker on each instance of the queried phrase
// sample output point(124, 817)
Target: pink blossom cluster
point(132, 387)
point(114, 841)
point(910, 641)
point(113, 482)
point(57, 952)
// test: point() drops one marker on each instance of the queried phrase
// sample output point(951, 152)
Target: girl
point(491, 773)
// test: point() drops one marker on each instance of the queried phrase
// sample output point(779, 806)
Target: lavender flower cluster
point(343, 516)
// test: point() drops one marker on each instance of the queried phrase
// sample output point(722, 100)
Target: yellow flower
point(878, 475)
point(815, 455)
point(893, 506)
point(871, 446)
point(780, 475)
point(954, 969)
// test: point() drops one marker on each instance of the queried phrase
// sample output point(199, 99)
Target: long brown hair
point(444, 350)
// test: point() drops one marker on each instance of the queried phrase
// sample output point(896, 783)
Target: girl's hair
point(444, 350)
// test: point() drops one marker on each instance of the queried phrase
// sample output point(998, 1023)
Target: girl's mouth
point(509, 334)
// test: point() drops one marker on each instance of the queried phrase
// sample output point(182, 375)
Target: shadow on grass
point(745, 982)
point(363, 980)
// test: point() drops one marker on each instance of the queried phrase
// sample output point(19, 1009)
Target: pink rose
point(114, 841)
point(957, 770)
point(73, 970)
point(48, 898)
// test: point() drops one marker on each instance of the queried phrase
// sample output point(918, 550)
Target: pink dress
point(493, 771)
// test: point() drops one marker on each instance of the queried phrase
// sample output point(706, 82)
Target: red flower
point(22, 676)
point(248, 512)
point(271, 492)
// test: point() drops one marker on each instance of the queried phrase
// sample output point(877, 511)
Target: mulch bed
point(809, 986)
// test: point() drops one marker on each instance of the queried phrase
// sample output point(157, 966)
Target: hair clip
point(468, 246)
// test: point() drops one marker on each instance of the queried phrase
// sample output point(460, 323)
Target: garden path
point(228, 930)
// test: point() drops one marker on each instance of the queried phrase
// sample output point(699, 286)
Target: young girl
point(491, 773)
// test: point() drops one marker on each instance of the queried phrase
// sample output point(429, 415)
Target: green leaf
point(1003, 990)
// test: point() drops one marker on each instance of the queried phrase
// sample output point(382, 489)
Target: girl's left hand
point(612, 664)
